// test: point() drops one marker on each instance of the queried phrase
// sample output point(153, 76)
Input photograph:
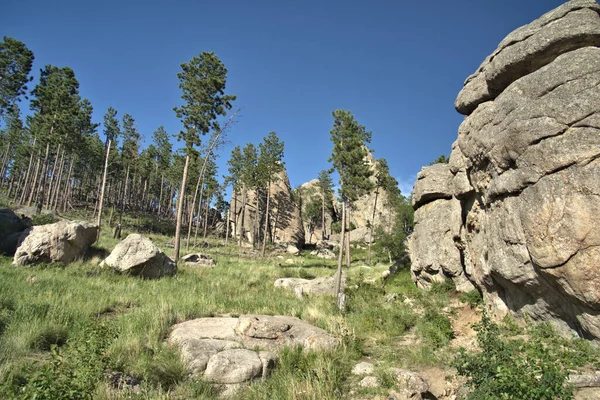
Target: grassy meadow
point(65, 329)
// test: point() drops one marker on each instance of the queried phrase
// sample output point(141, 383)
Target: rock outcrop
point(517, 208)
point(64, 242)
point(310, 196)
point(137, 255)
point(285, 223)
point(11, 229)
point(312, 287)
point(224, 350)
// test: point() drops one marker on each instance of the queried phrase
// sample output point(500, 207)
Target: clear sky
point(397, 65)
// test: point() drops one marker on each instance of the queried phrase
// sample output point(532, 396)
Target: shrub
point(435, 329)
point(511, 369)
point(472, 298)
point(43, 219)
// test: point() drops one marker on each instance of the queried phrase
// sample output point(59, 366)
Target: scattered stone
point(289, 261)
point(390, 298)
point(369, 382)
point(137, 255)
point(64, 242)
point(363, 368)
point(293, 250)
point(311, 287)
point(119, 380)
point(233, 366)
point(199, 260)
point(410, 381)
point(323, 253)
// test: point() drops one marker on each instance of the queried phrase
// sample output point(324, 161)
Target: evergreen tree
point(349, 159)
point(16, 61)
point(202, 82)
point(270, 164)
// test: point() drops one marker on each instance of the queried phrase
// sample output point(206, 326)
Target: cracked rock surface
point(224, 349)
point(516, 210)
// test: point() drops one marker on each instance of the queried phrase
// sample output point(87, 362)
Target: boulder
point(515, 212)
point(293, 250)
point(233, 366)
point(324, 253)
point(314, 287)
point(224, 349)
point(198, 260)
point(11, 227)
point(363, 368)
point(137, 255)
point(64, 242)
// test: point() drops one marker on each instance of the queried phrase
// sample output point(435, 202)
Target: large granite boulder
point(523, 178)
point(11, 228)
point(313, 287)
point(137, 255)
point(285, 220)
point(64, 241)
point(230, 350)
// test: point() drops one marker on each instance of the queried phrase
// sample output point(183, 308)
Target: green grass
point(62, 327)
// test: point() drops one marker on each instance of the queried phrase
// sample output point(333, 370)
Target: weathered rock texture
point(517, 209)
point(309, 192)
point(64, 241)
point(223, 349)
point(313, 287)
point(285, 223)
point(137, 255)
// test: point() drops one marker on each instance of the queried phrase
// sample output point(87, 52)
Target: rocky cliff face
point(517, 209)
point(310, 192)
point(285, 224)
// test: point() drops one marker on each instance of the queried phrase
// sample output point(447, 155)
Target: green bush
point(512, 369)
point(43, 219)
point(435, 329)
point(472, 298)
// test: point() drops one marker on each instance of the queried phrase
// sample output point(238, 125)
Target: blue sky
point(396, 65)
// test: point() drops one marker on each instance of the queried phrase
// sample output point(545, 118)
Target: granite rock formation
point(516, 210)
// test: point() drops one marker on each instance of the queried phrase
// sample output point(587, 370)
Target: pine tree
point(326, 188)
point(202, 82)
point(349, 159)
point(16, 61)
point(270, 164)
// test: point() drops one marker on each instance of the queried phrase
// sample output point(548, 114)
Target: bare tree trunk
point(123, 196)
point(372, 225)
point(162, 179)
point(26, 183)
point(52, 175)
point(42, 188)
point(35, 179)
point(56, 187)
point(322, 215)
point(338, 281)
point(187, 241)
point(227, 225)
point(180, 209)
point(101, 201)
point(243, 215)
point(206, 209)
point(264, 243)
point(5, 163)
point(67, 190)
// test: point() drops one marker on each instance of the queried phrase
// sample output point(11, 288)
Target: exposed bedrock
point(516, 211)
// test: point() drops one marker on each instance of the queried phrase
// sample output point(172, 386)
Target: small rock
point(369, 382)
point(293, 250)
point(410, 381)
point(363, 368)
point(199, 260)
point(269, 361)
point(391, 297)
point(233, 366)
